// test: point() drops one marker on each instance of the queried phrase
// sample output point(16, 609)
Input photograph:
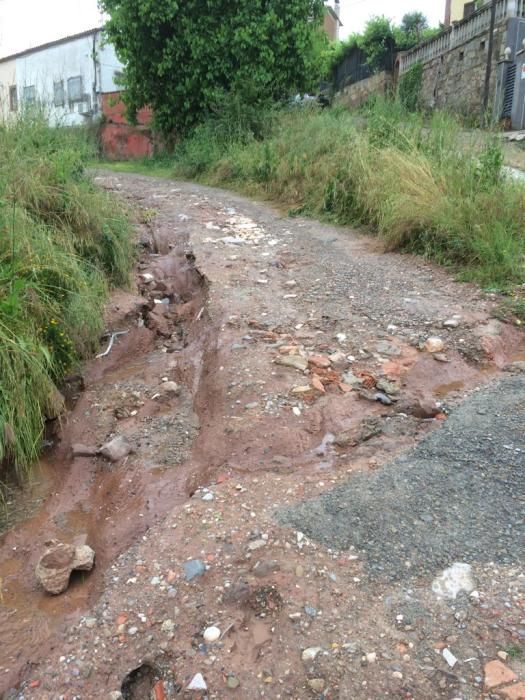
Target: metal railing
point(461, 32)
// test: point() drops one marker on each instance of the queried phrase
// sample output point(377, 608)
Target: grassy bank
point(63, 244)
point(423, 186)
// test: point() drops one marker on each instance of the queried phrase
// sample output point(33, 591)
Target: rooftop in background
point(49, 44)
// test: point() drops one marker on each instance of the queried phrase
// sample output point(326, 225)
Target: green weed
point(420, 183)
point(63, 243)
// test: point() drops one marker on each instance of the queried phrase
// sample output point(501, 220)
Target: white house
point(67, 77)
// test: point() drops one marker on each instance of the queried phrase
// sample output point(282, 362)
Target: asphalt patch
point(457, 496)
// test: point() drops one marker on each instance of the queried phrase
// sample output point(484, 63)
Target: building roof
point(49, 44)
point(334, 14)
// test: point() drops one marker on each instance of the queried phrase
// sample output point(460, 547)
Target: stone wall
point(455, 79)
point(356, 94)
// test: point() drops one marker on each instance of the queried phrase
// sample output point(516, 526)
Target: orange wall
point(120, 140)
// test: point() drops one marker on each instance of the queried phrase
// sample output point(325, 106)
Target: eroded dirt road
point(299, 351)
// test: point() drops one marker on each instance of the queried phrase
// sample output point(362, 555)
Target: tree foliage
point(379, 43)
point(182, 56)
point(382, 39)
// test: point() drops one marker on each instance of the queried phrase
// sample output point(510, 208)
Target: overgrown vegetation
point(381, 40)
point(413, 181)
point(62, 243)
point(409, 89)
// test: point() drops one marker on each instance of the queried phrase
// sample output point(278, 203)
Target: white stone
point(449, 657)
point(371, 658)
point(211, 634)
point(434, 345)
point(197, 683)
point(453, 580)
point(296, 411)
point(208, 496)
point(310, 653)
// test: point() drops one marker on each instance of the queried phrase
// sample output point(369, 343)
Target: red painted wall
point(120, 140)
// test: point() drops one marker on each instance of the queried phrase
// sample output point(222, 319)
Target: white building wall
point(7, 80)
point(43, 68)
point(39, 71)
point(109, 66)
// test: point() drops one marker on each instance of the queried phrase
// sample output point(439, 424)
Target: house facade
point(75, 80)
point(332, 22)
point(67, 78)
point(456, 10)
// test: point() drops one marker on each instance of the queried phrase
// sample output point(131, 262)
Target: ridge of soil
point(235, 289)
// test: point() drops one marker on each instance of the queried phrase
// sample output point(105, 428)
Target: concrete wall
point(7, 79)
point(43, 68)
point(455, 80)
point(85, 56)
point(356, 94)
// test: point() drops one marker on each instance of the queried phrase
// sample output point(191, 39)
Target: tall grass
point(421, 184)
point(63, 242)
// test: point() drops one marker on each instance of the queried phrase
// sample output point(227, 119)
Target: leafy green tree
point(412, 25)
point(183, 56)
point(379, 43)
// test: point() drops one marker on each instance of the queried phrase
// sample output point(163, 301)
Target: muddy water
point(88, 500)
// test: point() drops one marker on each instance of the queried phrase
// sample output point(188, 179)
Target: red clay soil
point(227, 296)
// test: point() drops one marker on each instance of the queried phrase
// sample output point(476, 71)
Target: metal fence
point(354, 68)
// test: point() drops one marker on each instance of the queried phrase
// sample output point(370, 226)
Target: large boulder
point(58, 561)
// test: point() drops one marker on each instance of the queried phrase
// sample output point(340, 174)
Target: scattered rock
point(197, 683)
point(351, 379)
point(503, 655)
point(310, 610)
point(338, 359)
point(387, 387)
point(295, 361)
point(497, 673)
point(317, 684)
point(116, 449)
point(449, 657)
point(59, 560)
point(451, 323)
point(310, 654)
point(256, 544)
point(371, 657)
point(169, 390)
point(440, 357)
point(453, 580)
point(211, 634)
point(369, 428)
point(90, 622)
point(232, 682)
point(168, 627)
point(193, 569)
point(302, 390)
point(320, 361)
point(383, 398)
point(208, 496)
point(384, 347)
point(115, 695)
point(434, 345)
point(80, 450)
